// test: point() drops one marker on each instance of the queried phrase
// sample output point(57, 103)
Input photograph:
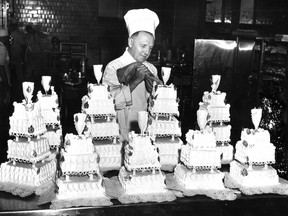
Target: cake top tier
point(214, 98)
point(255, 137)
point(98, 91)
point(166, 92)
point(204, 139)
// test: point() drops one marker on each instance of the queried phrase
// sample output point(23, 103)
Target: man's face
point(140, 46)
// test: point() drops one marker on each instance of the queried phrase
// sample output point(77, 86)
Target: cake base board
point(114, 190)
point(99, 201)
point(173, 184)
point(17, 189)
point(281, 188)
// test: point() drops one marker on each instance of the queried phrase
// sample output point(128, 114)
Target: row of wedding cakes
point(141, 177)
point(29, 164)
point(102, 126)
point(219, 118)
point(80, 182)
point(254, 157)
point(163, 125)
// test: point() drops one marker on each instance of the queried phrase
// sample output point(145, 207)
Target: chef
point(130, 77)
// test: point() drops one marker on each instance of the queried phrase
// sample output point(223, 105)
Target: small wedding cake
point(254, 156)
point(200, 159)
point(163, 124)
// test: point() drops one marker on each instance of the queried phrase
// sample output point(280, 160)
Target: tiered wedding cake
point(50, 109)
point(254, 156)
point(219, 118)
point(102, 126)
point(141, 176)
point(163, 125)
point(29, 165)
point(200, 158)
point(81, 182)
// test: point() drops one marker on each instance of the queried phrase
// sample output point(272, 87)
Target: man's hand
point(139, 76)
point(126, 73)
point(149, 80)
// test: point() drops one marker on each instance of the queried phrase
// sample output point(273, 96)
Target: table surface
point(264, 204)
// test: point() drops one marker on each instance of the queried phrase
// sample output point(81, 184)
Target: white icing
point(110, 154)
point(135, 158)
point(214, 99)
point(227, 152)
point(164, 127)
point(164, 106)
point(262, 153)
point(80, 164)
point(80, 187)
point(200, 179)
point(103, 129)
point(200, 159)
point(28, 151)
point(222, 132)
point(54, 137)
point(201, 139)
point(255, 137)
point(219, 113)
point(26, 174)
point(141, 182)
point(166, 92)
point(98, 106)
point(98, 92)
point(76, 145)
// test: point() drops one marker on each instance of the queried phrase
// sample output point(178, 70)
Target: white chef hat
point(3, 32)
point(141, 20)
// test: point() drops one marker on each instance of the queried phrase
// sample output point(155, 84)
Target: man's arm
point(121, 93)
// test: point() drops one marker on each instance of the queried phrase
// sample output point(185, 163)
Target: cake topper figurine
point(46, 83)
point(142, 121)
point(98, 72)
point(256, 115)
point(202, 118)
point(28, 89)
point(215, 82)
point(79, 122)
point(165, 72)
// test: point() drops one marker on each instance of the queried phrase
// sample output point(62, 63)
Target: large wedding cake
point(141, 175)
point(29, 165)
point(200, 159)
point(219, 118)
point(254, 156)
point(163, 124)
point(99, 105)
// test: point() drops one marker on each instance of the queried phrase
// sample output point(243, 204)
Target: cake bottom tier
point(169, 150)
point(80, 187)
point(227, 152)
point(110, 154)
point(256, 176)
point(200, 179)
point(27, 174)
point(142, 182)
